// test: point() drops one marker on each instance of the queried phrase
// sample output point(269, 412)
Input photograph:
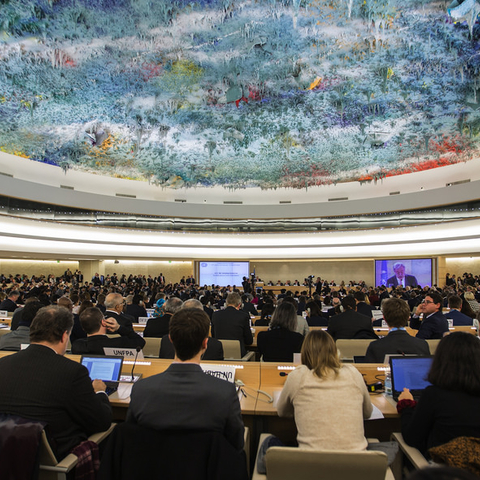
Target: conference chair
point(413, 455)
point(135, 451)
point(25, 444)
point(51, 468)
point(350, 348)
point(432, 345)
point(285, 463)
point(231, 351)
point(152, 347)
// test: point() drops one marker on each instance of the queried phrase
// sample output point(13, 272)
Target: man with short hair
point(459, 318)
point(214, 349)
point(10, 303)
point(158, 326)
point(184, 397)
point(396, 313)
point(39, 383)
point(349, 323)
point(434, 323)
point(96, 327)
point(114, 305)
point(232, 323)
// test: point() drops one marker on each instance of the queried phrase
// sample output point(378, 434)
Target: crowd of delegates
point(112, 305)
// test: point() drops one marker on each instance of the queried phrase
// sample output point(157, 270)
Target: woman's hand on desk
point(405, 395)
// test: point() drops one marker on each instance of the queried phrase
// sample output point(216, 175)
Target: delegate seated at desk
point(328, 400)
point(184, 397)
point(448, 408)
point(97, 327)
point(39, 383)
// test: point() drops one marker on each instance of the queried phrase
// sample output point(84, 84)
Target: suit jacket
point(350, 324)
point(39, 384)
point(13, 340)
point(214, 349)
point(410, 281)
point(8, 305)
point(122, 319)
point(459, 318)
point(232, 324)
point(96, 343)
point(250, 308)
point(279, 344)
point(136, 311)
point(157, 326)
point(184, 397)
point(433, 326)
point(398, 342)
point(365, 309)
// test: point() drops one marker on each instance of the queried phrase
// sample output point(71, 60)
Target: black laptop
point(409, 372)
point(105, 368)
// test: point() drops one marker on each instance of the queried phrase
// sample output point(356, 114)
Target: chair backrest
point(231, 349)
point(152, 346)
point(350, 348)
point(432, 345)
point(47, 457)
point(285, 463)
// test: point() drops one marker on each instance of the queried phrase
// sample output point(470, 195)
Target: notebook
point(409, 372)
point(105, 368)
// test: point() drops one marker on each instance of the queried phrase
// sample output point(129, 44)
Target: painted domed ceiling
point(265, 93)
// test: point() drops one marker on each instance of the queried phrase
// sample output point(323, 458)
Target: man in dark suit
point(159, 326)
point(232, 323)
point(396, 313)
point(114, 305)
point(434, 323)
point(10, 303)
point(97, 327)
point(248, 306)
point(39, 383)
point(350, 324)
point(214, 347)
point(459, 318)
point(184, 397)
point(400, 278)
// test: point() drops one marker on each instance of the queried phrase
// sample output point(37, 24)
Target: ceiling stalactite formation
point(269, 93)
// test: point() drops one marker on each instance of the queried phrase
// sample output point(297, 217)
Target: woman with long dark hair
point(449, 408)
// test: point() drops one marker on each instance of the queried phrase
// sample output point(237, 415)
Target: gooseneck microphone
point(138, 349)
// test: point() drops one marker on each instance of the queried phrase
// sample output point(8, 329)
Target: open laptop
point(409, 372)
point(105, 368)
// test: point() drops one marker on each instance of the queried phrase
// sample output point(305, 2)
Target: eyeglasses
point(427, 301)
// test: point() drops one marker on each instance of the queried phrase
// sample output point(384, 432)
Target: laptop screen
point(410, 372)
point(102, 367)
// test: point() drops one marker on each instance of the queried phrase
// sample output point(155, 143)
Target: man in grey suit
point(396, 313)
point(184, 397)
point(232, 323)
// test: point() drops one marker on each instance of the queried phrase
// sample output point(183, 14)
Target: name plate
point(450, 322)
point(225, 372)
point(130, 353)
point(3, 314)
point(142, 320)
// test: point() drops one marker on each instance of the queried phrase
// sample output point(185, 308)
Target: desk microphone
point(138, 349)
point(283, 374)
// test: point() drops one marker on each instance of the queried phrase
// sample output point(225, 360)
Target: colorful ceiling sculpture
point(269, 93)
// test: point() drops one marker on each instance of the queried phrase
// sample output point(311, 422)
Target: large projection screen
point(223, 273)
point(417, 272)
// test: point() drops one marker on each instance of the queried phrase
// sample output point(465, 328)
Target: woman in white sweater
point(328, 400)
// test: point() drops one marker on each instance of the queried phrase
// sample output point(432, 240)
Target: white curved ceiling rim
point(26, 179)
point(49, 240)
